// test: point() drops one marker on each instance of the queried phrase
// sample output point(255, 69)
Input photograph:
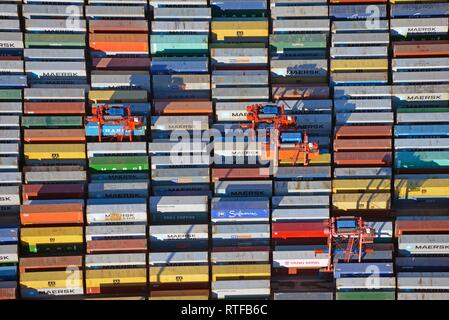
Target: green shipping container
point(179, 44)
point(52, 121)
point(10, 94)
point(422, 159)
point(125, 163)
point(281, 42)
point(422, 110)
point(366, 295)
point(54, 40)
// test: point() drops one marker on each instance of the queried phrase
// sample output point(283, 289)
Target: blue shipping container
point(9, 235)
point(8, 273)
point(110, 130)
point(161, 65)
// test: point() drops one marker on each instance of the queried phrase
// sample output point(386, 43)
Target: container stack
point(422, 265)
point(116, 211)
point(180, 174)
point(362, 175)
point(420, 68)
point(240, 209)
point(52, 214)
point(362, 104)
point(300, 207)
point(12, 80)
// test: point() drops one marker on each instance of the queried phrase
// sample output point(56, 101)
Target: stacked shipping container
point(420, 95)
point(116, 211)
point(362, 174)
point(240, 209)
point(52, 214)
point(12, 81)
point(180, 175)
point(300, 207)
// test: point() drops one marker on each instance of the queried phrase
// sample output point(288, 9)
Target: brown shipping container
point(183, 107)
point(52, 168)
point(362, 158)
point(7, 293)
point(54, 108)
point(50, 262)
point(52, 191)
point(239, 173)
point(362, 144)
point(116, 245)
point(34, 135)
point(421, 48)
point(363, 131)
point(121, 63)
point(294, 91)
point(118, 25)
point(421, 226)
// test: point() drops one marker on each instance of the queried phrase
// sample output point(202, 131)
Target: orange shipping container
point(120, 43)
point(66, 213)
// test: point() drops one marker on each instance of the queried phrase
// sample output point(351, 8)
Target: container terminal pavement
point(96, 203)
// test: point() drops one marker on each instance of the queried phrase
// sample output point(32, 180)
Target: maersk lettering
point(432, 247)
point(425, 97)
point(421, 29)
point(59, 74)
point(7, 45)
point(247, 193)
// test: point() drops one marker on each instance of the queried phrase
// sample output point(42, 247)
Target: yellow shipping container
point(52, 279)
point(361, 185)
point(361, 201)
point(425, 188)
point(34, 236)
point(179, 274)
point(54, 151)
point(97, 96)
point(321, 160)
point(359, 65)
point(97, 278)
point(241, 271)
point(233, 29)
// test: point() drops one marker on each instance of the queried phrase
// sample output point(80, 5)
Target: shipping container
point(240, 289)
point(240, 272)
